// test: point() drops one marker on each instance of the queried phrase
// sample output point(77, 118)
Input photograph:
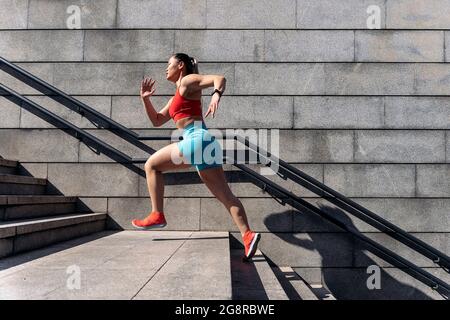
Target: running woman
point(186, 111)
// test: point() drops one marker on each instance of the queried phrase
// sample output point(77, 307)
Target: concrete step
point(123, 265)
point(32, 206)
point(198, 269)
point(15, 184)
point(255, 279)
point(8, 166)
point(294, 286)
point(24, 235)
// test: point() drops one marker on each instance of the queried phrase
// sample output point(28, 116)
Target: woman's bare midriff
point(180, 124)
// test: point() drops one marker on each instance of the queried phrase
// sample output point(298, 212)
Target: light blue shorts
point(199, 147)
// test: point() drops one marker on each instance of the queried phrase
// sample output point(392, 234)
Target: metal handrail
point(95, 144)
point(97, 118)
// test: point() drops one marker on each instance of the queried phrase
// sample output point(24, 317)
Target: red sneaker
point(251, 240)
point(154, 220)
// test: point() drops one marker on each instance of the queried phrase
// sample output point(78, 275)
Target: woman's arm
point(195, 82)
point(156, 118)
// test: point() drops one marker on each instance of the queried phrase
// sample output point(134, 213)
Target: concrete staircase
point(261, 280)
point(30, 218)
point(157, 265)
point(254, 280)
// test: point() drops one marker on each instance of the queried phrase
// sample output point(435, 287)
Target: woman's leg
point(215, 180)
point(159, 162)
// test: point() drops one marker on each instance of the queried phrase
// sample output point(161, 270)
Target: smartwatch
point(217, 90)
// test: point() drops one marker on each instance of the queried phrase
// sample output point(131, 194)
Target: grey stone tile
point(165, 14)
point(433, 180)
point(335, 112)
point(418, 14)
point(247, 14)
point(369, 78)
point(38, 145)
point(301, 45)
point(371, 180)
point(432, 79)
point(298, 79)
point(14, 14)
point(399, 146)
point(98, 78)
point(93, 179)
point(128, 45)
point(399, 46)
point(37, 45)
point(417, 112)
point(316, 146)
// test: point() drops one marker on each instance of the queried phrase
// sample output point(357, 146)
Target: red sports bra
point(182, 107)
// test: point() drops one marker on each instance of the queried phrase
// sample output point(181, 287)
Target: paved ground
point(123, 265)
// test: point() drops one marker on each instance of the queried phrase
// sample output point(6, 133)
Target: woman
point(185, 109)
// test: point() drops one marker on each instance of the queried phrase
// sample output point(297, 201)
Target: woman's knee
point(149, 165)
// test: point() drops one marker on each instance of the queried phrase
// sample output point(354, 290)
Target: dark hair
point(190, 62)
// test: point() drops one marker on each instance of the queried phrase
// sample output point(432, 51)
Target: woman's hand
point(146, 87)
point(213, 105)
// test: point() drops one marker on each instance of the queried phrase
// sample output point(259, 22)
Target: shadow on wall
point(51, 189)
point(344, 282)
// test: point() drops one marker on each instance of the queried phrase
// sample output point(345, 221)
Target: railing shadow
point(345, 282)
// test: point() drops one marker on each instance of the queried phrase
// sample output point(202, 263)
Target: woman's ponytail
point(190, 62)
point(194, 65)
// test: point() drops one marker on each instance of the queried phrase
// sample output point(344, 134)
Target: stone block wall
point(365, 111)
